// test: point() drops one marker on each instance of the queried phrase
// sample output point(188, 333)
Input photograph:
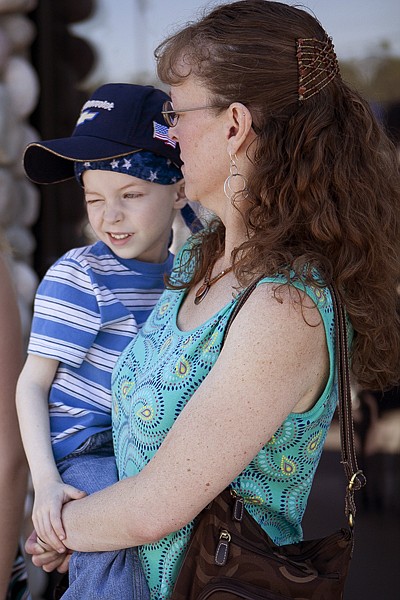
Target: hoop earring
point(229, 190)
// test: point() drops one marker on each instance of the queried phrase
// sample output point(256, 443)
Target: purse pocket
point(224, 588)
point(298, 564)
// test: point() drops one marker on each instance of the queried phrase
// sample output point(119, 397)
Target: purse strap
point(355, 477)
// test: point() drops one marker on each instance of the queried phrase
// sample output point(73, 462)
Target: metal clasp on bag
point(356, 482)
point(234, 494)
point(222, 551)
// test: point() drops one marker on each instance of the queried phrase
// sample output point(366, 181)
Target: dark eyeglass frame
point(171, 116)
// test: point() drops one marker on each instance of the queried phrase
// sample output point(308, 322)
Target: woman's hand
point(46, 516)
point(45, 557)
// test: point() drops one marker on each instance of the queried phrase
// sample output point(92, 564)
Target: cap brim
point(52, 161)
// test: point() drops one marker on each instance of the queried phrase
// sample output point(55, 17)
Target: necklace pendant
point(201, 293)
point(208, 282)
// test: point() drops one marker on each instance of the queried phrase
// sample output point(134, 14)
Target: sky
point(124, 33)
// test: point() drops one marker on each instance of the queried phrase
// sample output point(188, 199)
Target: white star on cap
point(153, 176)
point(127, 164)
point(114, 164)
point(86, 165)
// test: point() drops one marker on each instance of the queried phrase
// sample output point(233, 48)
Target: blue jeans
point(100, 575)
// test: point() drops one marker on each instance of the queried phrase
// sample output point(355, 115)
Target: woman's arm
point(273, 362)
point(13, 467)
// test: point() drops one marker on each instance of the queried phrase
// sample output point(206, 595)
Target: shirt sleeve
point(66, 317)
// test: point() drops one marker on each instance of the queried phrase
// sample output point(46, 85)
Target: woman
point(13, 467)
point(305, 189)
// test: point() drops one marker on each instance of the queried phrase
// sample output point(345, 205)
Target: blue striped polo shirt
point(88, 307)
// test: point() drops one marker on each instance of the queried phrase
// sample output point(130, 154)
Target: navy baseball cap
point(118, 119)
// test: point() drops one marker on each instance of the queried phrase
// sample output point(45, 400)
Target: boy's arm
point(32, 405)
point(33, 389)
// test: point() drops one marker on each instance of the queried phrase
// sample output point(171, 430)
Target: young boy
point(87, 308)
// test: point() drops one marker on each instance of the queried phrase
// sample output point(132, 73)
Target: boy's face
point(132, 216)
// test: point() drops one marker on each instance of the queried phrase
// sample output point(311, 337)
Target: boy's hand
point(46, 515)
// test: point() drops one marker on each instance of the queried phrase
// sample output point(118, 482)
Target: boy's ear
point(181, 199)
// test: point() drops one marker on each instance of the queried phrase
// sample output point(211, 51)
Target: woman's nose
point(172, 133)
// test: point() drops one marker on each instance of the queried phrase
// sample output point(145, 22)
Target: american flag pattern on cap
point(160, 132)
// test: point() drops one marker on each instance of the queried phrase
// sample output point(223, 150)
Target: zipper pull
point(221, 553)
point(238, 509)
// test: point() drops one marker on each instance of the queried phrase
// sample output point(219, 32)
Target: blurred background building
point(53, 53)
point(80, 45)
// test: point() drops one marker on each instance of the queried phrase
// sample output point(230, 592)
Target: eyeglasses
point(171, 116)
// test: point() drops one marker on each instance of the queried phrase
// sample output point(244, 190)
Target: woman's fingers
point(49, 561)
point(45, 557)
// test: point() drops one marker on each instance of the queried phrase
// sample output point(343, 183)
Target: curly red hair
point(325, 188)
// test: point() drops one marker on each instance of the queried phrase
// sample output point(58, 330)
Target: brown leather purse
point(230, 557)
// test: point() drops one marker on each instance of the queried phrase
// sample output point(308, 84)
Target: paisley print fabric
point(154, 379)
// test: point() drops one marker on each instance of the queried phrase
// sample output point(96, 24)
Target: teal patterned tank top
point(152, 381)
